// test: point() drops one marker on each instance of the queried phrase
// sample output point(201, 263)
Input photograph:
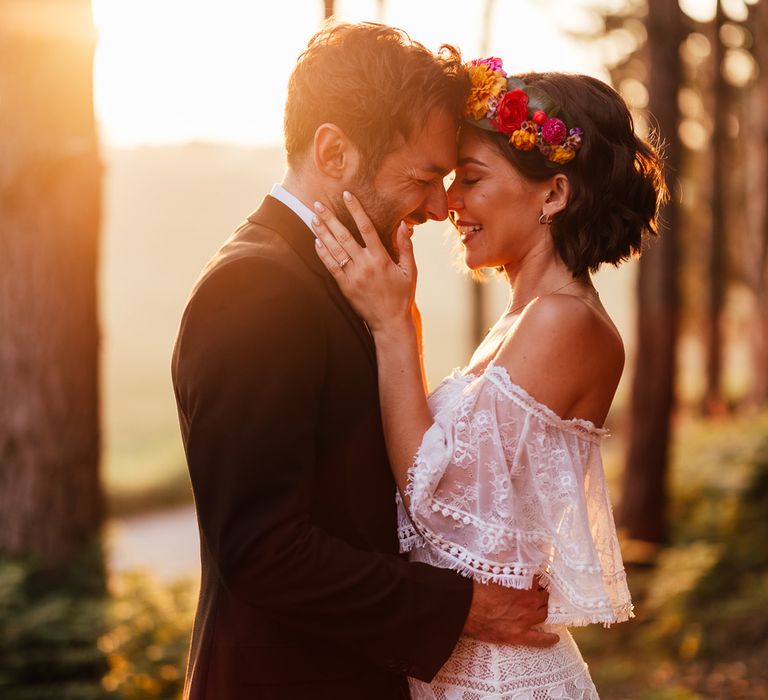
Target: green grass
point(701, 629)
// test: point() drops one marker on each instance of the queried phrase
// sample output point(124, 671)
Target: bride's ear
point(557, 195)
point(334, 154)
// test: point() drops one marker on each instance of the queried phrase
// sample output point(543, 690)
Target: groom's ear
point(334, 154)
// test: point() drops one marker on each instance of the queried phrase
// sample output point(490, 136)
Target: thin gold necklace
point(522, 306)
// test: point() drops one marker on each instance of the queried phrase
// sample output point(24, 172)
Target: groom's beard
point(379, 211)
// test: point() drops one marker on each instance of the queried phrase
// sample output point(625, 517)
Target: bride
point(499, 469)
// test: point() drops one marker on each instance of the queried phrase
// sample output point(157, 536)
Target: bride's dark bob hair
point(616, 179)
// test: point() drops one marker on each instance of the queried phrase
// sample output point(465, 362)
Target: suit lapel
point(274, 215)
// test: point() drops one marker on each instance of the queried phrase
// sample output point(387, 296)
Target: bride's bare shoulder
point(562, 348)
point(570, 321)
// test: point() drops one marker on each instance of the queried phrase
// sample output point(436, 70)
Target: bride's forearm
point(404, 410)
point(418, 326)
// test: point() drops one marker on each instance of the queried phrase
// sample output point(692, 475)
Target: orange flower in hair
point(487, 85)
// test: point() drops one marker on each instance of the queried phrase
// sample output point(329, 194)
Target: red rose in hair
point(511, 112)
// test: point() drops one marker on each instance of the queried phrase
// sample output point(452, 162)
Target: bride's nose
point(455, 201)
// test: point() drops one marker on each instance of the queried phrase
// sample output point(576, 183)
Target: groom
point(303, 595)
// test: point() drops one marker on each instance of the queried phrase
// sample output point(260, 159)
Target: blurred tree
point(713, 400)
point(644, 492)
point(756, 200)
point(50, 498)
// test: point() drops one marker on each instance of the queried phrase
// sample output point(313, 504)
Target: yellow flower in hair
point(486, 85)
point(523, 139)
point(561, 155)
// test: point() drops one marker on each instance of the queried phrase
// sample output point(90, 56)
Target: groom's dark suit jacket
point(303, 593)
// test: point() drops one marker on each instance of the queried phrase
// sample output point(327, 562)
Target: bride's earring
point(544, 219)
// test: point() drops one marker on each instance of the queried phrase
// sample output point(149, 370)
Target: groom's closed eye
point(437, 175)
point(433, 171)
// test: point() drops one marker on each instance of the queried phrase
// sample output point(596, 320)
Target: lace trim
point(530, 535)
point(407, 534)
point(409, 538)
point(520, 576)
point(478, 670)
point(500, 377)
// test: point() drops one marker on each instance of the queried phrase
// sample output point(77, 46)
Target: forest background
point(136, 135)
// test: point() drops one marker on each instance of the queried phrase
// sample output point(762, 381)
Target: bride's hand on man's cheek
point(379, 289)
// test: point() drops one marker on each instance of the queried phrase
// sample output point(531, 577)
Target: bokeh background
point(135, 135)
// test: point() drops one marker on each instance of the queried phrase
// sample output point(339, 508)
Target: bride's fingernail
point(347, 196)
point(315, 221)
point(319, 207)
point(318, 243)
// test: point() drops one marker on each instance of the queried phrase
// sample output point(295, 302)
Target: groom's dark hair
point(374, 82)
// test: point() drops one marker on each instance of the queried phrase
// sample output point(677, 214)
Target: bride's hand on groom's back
point(504, 615)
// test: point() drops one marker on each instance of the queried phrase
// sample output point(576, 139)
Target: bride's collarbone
point(490, 345)
point(485, 352)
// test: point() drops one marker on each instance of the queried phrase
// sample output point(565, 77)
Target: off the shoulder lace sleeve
point(504, 489)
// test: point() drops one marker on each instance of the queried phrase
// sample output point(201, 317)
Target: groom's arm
point(249, 372)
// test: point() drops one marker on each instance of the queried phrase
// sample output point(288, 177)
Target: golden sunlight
point(178, 71)
point(175, 71)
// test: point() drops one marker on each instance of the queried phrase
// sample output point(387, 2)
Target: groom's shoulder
point(257, 255)
point(253, 247)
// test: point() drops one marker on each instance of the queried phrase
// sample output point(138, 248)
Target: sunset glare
point(204, 70)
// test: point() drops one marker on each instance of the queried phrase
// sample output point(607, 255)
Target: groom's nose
point(437, 203)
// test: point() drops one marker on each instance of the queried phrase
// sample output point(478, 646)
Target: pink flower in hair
point(554, 131)
point(493, 62)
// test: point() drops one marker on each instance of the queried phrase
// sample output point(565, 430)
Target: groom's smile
point(409, 184)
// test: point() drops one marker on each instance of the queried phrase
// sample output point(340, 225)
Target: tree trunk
point(714, 404)
point(50, 498)
point(757, 204)
point(328, 8)
point(644, 494)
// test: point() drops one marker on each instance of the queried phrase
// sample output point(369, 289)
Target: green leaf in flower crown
point(539, 100)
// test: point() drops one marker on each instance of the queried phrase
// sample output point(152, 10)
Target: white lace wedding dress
point(503, 489)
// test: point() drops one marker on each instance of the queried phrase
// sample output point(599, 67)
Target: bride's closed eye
point(470, 180)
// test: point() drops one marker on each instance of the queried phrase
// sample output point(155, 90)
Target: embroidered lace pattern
point(480, 671)
point(503, 489)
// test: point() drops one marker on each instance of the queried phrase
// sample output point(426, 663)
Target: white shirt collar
point(294, 204)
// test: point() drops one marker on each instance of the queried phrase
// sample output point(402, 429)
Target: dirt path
point(164, 543)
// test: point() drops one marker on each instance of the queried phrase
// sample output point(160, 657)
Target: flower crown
point(523, 112)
